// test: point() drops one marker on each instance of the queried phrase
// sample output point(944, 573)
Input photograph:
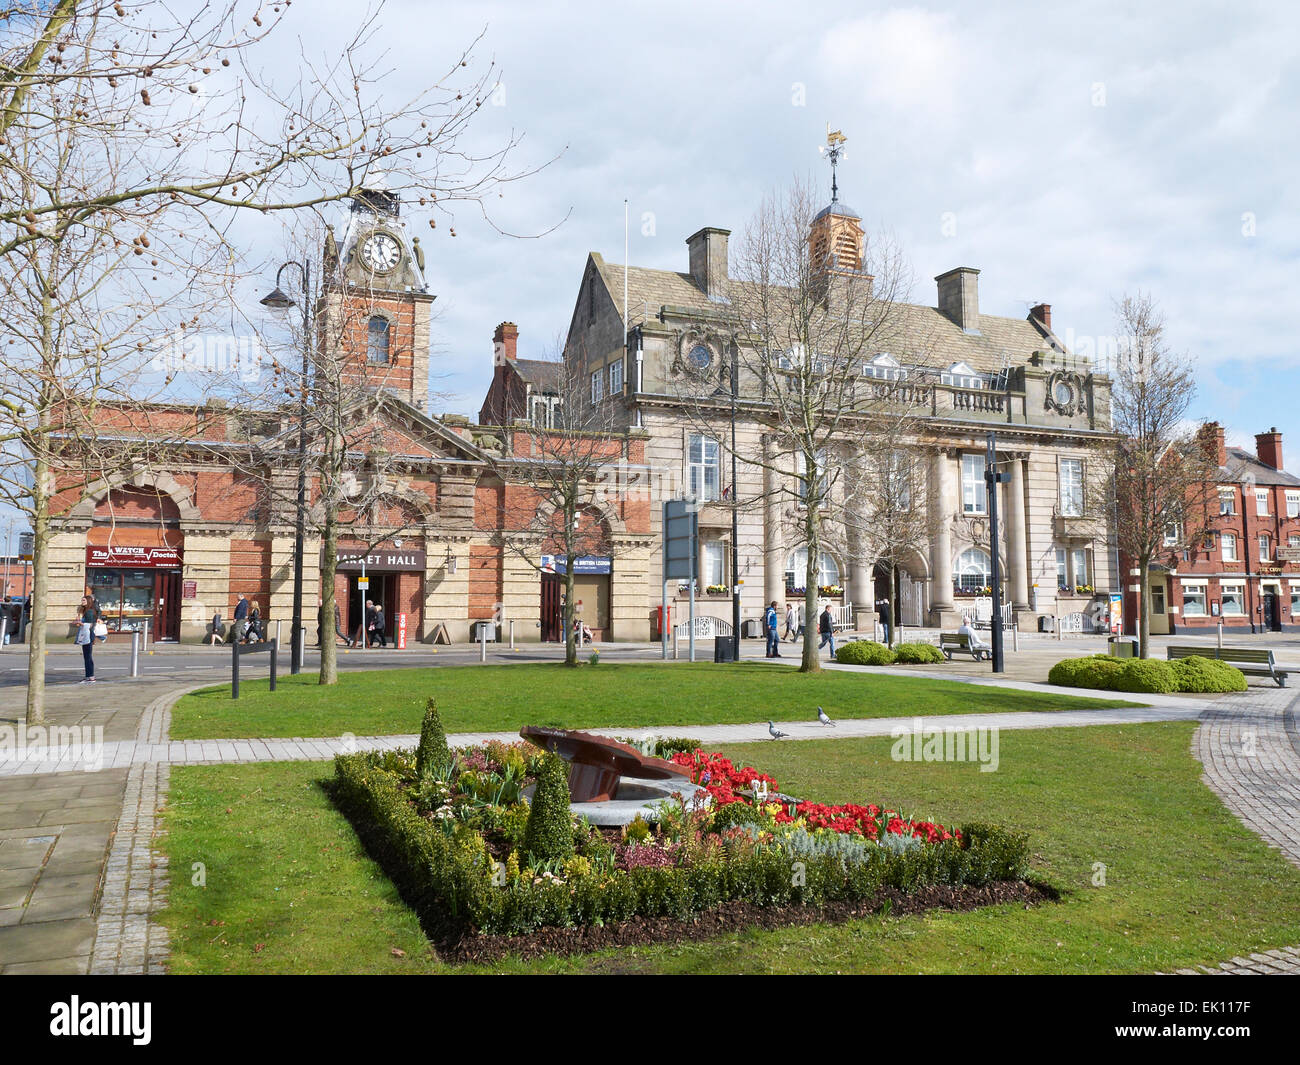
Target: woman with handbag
point(88, 620)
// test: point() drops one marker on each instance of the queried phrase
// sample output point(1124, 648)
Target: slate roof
point(999, 342)
point(543, 375)
point(1242, 465)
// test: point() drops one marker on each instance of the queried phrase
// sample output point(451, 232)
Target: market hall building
point(176, 540)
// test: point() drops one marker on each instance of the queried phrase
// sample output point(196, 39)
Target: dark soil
point(732, 917)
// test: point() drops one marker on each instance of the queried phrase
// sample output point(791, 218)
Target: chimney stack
point(505, 341)
point(708, 260)
point(1211, 435)
point(959, 298)
point(1268, 448)
point(1043, 312)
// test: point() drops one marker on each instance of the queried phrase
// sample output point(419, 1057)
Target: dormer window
point(378, 335)
point(884, 367)
point(961, 375)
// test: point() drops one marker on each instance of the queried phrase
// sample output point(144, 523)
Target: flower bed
point(461, 842)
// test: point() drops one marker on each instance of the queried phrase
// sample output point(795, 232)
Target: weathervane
point(832, 149)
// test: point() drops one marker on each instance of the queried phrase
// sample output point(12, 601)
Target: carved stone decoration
point(1065, 393)
point(699, 354)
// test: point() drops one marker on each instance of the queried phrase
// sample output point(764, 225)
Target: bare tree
point(805, 321)
point(1163, 475)
point(559, 481)
point(141, 135)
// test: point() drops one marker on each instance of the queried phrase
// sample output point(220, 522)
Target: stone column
point(941, 504)
point(1017, 553)
point(773, 540)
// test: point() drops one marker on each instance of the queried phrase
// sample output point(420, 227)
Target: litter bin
point(1046, 623)
point(724, 649)
point(1123, 647)
point(751, 629)
point(483, 630)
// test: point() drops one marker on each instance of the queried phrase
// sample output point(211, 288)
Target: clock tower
point(378, 294)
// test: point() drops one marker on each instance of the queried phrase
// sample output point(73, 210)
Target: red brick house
point(1243, 570)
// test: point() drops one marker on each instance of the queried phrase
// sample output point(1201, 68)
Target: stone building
point(963, 370)
point(1241, 566)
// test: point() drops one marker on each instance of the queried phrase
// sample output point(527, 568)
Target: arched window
point(828, 573)
point(974, 570)
point(378, 331)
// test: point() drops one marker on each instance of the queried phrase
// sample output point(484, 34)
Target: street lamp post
point(735, 517)
point(278, 301)
point(992, 479)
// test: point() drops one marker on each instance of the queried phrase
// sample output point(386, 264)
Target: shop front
point(135, 585)
point(591, 581)
point(391, 576)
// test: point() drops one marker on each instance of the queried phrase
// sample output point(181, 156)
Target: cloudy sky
point(1071, 153)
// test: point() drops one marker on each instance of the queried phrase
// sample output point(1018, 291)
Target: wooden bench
point(951, 643)
point(1256, 661)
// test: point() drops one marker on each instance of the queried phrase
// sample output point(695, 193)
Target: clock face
point(381, 252)
point(700, 357)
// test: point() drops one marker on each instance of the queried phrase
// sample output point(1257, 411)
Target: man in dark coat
point(885, 615)
point(826, 627)
point(241, 619)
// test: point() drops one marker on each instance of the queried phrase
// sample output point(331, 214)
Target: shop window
point(1234, 599)
point(1194, 600)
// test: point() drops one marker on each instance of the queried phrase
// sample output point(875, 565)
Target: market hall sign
point(119, 557)
point(401, 561)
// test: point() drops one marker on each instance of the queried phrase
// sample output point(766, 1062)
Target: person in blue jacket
point(771, 627)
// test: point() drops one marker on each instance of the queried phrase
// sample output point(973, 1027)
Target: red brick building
point(1243, 570)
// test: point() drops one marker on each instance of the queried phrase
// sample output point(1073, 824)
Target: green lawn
point(1185, 883)
point(502, 698)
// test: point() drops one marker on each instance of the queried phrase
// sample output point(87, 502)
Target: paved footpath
point(79, 876)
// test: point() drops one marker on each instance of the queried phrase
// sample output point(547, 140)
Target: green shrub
point(1095, 671)
point(733, 814)
point(1146, 675)
point(549, 835)
point(864, 653)
point(1197, 674)
point(917, 652)
point(432, 757)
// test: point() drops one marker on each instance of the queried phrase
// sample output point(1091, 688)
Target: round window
point(1064, 393)
point(700, 357)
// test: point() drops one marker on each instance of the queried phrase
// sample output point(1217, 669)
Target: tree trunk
point(40, 591)
point(895, 601)
point(811, 662)
point(570, 644)
point(329, 655)
point(1144, 608)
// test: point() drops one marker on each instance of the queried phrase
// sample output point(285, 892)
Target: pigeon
point(821, 716)
point(775, 732)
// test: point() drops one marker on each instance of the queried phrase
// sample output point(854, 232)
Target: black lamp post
point(735, 516)
point(278, 301)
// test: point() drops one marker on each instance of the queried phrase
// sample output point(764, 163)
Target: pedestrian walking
point(240, 620)
point(368, 625)
point(826, 627)
point(772, 630)
point(885, 615)
point(88, 617)
point(380, 635)
point(338, 625)
point(791, 625)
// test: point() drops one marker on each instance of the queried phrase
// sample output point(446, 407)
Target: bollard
point(135, 654)
point(674, 643)
point(278, 633)
point(302, 643)
point(4, 625)
point(145, 624)
point(1221, 631)
point(512, 634)
point(482, 642)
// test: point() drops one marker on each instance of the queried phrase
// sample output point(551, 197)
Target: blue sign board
point(582, 565)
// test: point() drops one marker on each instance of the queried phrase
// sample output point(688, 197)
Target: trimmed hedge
point(549, 835)
point(432, 756)
point(1146, 675)
point(1197, 674)
point(449, 879)
point(864, 653)
point(918, 652)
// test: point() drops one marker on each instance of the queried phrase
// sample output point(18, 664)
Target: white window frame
point(597, 386)
point(1237, 589)
point(616, 377)
point(1261, 502)
point(1063, 569)
point(1228, 547)
point(1293, 540)
point(1227, 501)
point(1196, 593)
point(961, 569)
point(1070, 487)
point(884, 367)
point(714, 559)
point(1079, 560)
point(962, 375)
point(1173, 533)
point(974, 489)
point(796, 568)
point(702, 487)
point(1292, 504)
point(1265, 547)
